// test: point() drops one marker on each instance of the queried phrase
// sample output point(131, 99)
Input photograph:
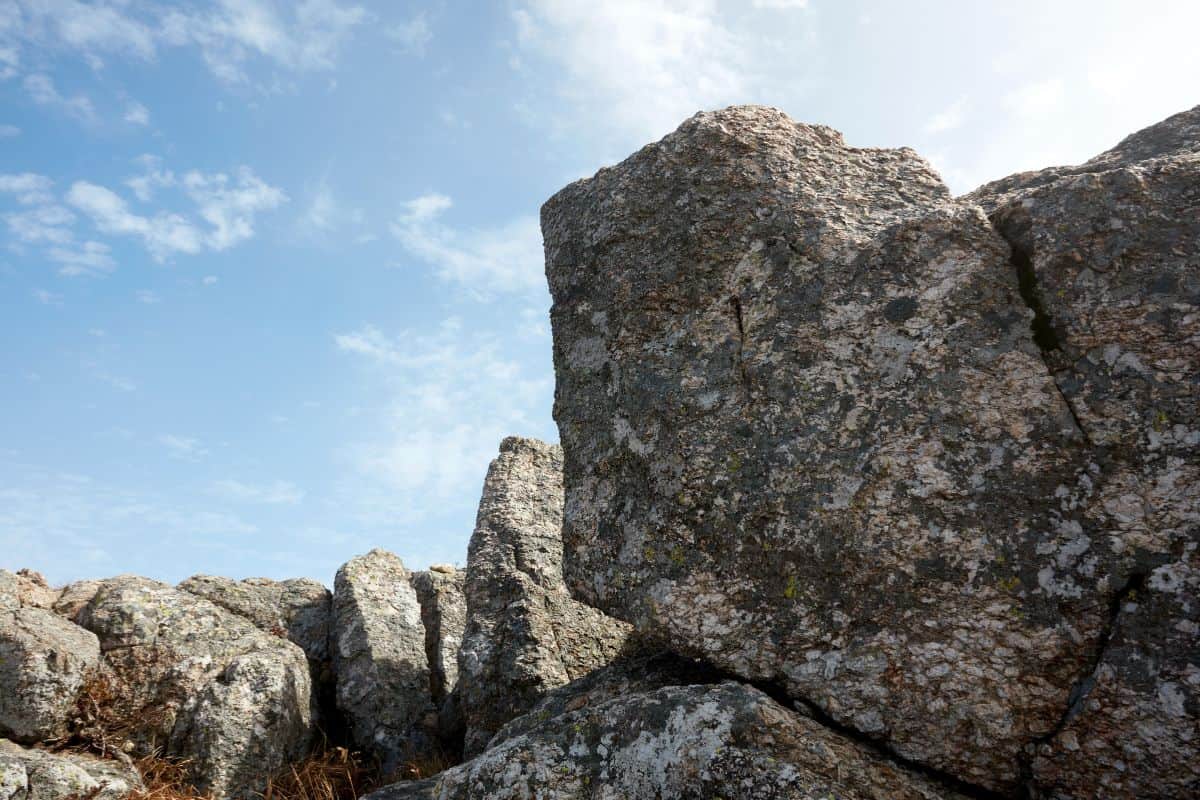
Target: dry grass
point(164, 779)
point(330, 773)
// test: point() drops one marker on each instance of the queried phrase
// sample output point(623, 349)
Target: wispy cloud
point(1035, 99)
point(137, 114)
point(185, 448)
point(273, 493)
point(85, 258)
point(454, 396)
point(9, 131)
point(486, 261)
point(41, 90)
point(47, 298)
point(27, 187)
point(412, 35)
point(948, 118)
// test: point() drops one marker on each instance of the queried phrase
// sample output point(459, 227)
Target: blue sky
point(271, 285)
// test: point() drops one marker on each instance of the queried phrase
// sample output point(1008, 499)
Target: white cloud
point(506, 258)
point(413, 35)
point(948, 118)
point(632, 70)
point(164, 234)
point(454, 396)
point(274, 493)
point(137, 114)
point(9, 131)
point(1036, 99)
point(28, 187)
point(780, 4)
point(185, 448)
point(147, 297)
point(153, 178)
point(324, 214)
point(48, 224)
point(230, 205)
point(209, 280)
point(47, 298)
point(42, 91)
point(86, 258)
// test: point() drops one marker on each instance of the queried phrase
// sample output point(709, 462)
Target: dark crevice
point(777, 691)
point(1042, 327)
point(1082, 687)
point(735, 303)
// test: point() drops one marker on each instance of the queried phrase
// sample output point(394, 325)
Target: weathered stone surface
point(202, 683)
point(444, 615)
point(809, 437)
point(44, 662)
point(383, 684)
point(27, 774)
point(524, 633)
point(1109, 253)
point(299, 609)
point(25, 588)
point(728, 741)
point(74, 597)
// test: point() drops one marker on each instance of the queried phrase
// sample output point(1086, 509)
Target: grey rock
point(728, 741)
point(44, 663)
point(383, 681)
point(1109, 253)
point(444, 615)
point(201, 683)
point(525, 634)
point(27, 774)
point(809, 437)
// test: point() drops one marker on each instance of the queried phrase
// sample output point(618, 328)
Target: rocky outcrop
point(44, 663)
point(1108, 254)
point(195, 681)
point(25, 588)
point(811, 438)
point(27, 774)
point(729, 741)
point(383, 679)
point(444, 615)
point(525, 634)
point(74, 597)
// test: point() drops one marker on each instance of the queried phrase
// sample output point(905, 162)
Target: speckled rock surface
point(74, 597)
point(44, 662)
point(810, 438)
point(383, 685)
point(524, 633)
point(444, 615)
point(202, 683)
point(27, 774)
point(728, 741)
point(25, 588)
point(1110, 254)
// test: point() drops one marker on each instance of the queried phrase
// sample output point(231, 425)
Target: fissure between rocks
point(735, 303)
point(1082, 687)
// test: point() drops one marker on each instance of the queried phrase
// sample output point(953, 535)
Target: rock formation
point(27, 774)
point(811, 437)
point(728, 741)
point(524, 633)
point(195, 681)
point(1108, 254)
point(383, 682)
point(444, 615)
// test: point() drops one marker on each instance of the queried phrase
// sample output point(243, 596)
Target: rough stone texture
point(728, 741)
point(44, 662)
point(25, 588)
point(444, 615)
point(383, 683)
point(202, 683)
point(1109, 253)
point(524, 633)
point(40, 775)
point(74, 597)
point(809, 437)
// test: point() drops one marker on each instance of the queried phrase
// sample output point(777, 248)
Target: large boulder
point(1108, 253)
point(45, 661)
point(727, 741)
point(525, 634)
point(25, 588)
point(27, 774)
point(383, 682)
point(444, 615)
point(299, 609)
point(810, 438)
point(197, 682)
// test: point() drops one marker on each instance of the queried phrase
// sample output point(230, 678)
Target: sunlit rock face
point(811, 437)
